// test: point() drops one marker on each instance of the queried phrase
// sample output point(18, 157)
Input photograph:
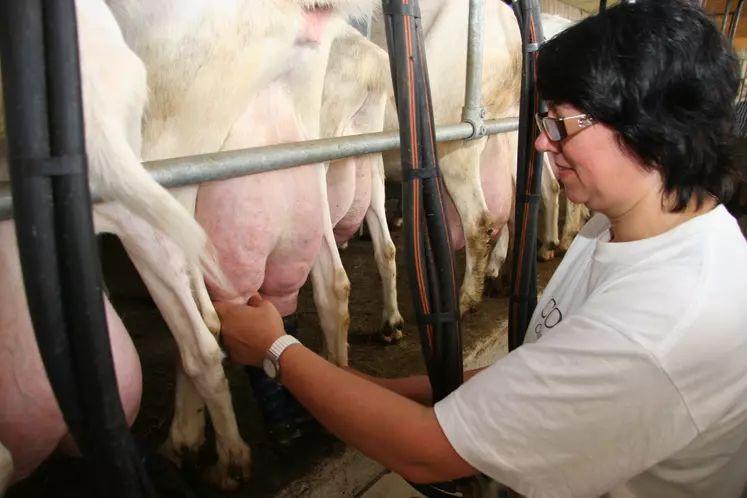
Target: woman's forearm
point(400, 434)
point(417, 387)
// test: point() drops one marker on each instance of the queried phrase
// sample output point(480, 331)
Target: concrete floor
point(391, 486)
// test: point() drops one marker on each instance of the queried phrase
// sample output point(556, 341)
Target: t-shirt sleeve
point(575, 414)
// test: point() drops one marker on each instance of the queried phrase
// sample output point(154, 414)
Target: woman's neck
point(649, 217)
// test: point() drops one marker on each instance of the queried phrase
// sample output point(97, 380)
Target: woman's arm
point(416, 388)
point(401, 434)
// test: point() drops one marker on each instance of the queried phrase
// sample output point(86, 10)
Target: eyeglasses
point(559, 128)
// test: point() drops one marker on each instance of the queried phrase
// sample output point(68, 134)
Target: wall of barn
point(561, 9)
point(717, 8)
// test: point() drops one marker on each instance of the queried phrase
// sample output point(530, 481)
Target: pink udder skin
point(497, 186)
point(31, 424)
point(267, 228)
point(314, 23)
point(349, 193)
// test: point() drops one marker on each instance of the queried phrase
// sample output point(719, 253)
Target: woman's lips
point(561, 170)
point(563, 173)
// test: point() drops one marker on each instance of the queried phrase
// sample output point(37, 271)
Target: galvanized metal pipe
point(472, 112)
point(735, 21)
point(726, 16)
point(182, 171)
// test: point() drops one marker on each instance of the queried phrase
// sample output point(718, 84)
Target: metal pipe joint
point(473, 112)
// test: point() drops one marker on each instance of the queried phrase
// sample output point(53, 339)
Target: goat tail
point(130, 184)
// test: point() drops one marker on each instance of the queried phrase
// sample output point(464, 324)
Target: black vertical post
point(111, 443)
point(428, 251)
point(428, 247)
point(54, 228)
point(25, 97)
point(602, 5)
point(528, 181)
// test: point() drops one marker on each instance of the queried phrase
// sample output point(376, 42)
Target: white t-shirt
point(632, 381)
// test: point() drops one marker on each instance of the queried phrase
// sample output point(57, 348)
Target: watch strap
point(280, 345)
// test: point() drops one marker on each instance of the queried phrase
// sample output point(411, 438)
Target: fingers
point(255, 300)
point(223, 307)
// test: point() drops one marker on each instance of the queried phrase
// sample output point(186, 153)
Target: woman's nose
point(544, 144)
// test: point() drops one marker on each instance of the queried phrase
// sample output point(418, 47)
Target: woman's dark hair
point(665, 78)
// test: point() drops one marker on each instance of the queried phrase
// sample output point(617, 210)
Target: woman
point(633, 377)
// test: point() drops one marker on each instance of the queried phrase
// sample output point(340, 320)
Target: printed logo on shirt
point(550, 316)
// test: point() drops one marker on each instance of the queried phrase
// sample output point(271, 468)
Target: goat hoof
point(183, 444)
point(545, 255)
point(468, 304)
point(234, 466)
point(391, 332)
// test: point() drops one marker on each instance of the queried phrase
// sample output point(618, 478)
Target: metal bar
point(726, 16)
point(735, 20)
point(182, 171)
point(602, 5)
point(523, 298)
point(472, 112)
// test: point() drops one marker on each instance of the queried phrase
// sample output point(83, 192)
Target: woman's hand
point(248, 330)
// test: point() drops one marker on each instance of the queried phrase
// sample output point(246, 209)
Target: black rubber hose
point(523, 298)
point(32, 91)
point(449, 337)
point(411, 195)
point(428, 248)
point(110, 442)
point(429, 231)
point(25, 98)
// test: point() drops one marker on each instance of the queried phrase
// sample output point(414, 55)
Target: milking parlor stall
point(93, 277)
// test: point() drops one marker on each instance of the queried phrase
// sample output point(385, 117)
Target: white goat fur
point(354, 100)
point(224, 76)
point(148, 220)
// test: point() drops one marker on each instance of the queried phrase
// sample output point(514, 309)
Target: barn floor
point(272, 472)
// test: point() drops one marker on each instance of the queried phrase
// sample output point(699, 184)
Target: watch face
point(269, 368)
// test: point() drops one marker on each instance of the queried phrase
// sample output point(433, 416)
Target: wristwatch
point(271, 361)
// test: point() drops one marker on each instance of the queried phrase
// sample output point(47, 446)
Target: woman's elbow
point(418, 476)
point(423, 474)
point(435, 471)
